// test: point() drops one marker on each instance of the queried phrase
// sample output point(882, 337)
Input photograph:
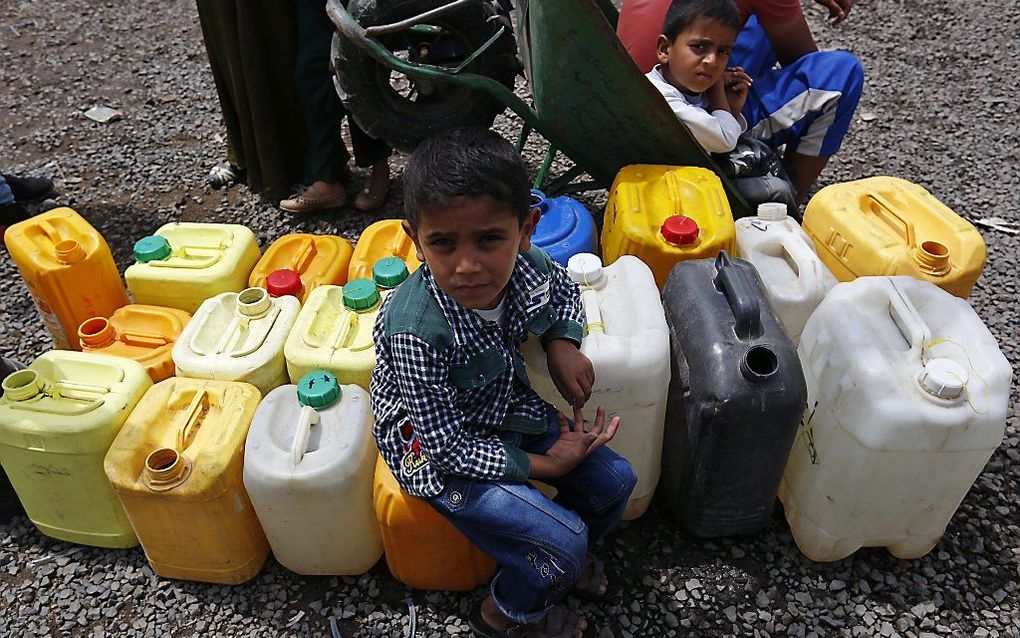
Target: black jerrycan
point(736, 396)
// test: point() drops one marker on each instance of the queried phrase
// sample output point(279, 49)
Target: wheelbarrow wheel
point(389, 105)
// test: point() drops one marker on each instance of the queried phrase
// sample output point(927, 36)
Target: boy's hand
point(737, 82)
point(571, 371)
point(574, 444)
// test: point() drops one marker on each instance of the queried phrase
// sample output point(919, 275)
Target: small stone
point(731, 614)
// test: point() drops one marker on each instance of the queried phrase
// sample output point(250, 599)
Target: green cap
point(152, 248)
point(360, 294)
point(388, 272)
point(318, 389)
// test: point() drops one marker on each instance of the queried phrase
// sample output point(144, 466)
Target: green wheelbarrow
point(407, 69)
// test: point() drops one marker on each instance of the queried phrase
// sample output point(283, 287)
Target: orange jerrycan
point(665, 214)
point(69, 272)
point(423, 550)
point(889, 226)
point(57, 420)
point(143, 333)
point(298, 263)
point(177, 467)
point(385, 238)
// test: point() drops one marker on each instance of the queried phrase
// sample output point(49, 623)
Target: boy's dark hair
point(465, 162)
point(682, 14)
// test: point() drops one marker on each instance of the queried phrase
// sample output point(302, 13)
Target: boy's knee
point(849, 69)
point(627, 476)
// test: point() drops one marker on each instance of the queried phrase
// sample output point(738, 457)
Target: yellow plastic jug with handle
point(385, 238)
point(144, 333)
point(185, 263)
point(298, 263)
point(889, 226)
point(333, 331)
point(177, 467)
point(665, 214)
point(58, 418)
point(69, 271)
point(423, 550)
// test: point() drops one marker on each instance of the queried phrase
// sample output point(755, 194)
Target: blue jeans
point(540, 544)
point(6, 196)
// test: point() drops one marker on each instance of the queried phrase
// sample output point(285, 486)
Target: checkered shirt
point(426, 426)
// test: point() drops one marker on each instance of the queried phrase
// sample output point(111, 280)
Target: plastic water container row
point(874, 226)
point(208, 478)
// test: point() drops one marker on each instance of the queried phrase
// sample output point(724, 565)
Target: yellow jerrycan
point(665, 214)
point(299, 263)
point(333, 331)
point(889, 226)
point(177, 467)
point(144, 333)
point(385, 238)
point(69, 271)
point(185, 263)
point(423, 550)
point(58, 418)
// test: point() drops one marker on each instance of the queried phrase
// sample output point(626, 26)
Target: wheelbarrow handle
point(403, 25)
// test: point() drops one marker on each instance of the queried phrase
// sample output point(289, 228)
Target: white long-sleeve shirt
point(715, 131)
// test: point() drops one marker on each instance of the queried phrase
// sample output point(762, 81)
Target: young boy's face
point(697, 57)
point(471, 247)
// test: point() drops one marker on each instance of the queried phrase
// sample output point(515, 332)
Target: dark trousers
point(327, 156)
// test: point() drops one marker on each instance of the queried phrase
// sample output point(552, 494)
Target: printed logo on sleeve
point(538, 297)
point(413, 458)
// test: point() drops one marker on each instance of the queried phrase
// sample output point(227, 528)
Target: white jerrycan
point(625, 337)
point(795, 278)
point(238, 336)
point(907, 396)
point(309, 462)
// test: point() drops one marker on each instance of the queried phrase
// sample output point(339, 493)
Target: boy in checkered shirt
point(456, 419)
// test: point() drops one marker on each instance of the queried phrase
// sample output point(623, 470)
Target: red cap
point(284, 282)
point(679, 230)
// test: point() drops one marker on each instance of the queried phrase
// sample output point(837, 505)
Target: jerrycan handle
point(309, 417)
point(732, 282)
point(903, 227)
point(592, 312)
point(51, 231)
point(348, 329)
point(908, 320)
point(194, 415)
point(304, 257)
point(802, 255)
point(143, 339)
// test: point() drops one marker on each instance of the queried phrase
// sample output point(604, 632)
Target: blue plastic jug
point(566, 227)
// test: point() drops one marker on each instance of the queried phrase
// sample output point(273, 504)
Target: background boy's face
point(696, 59)
point(471, 247)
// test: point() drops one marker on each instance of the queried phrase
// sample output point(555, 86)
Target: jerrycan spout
point(22, 385)
point(165, 468)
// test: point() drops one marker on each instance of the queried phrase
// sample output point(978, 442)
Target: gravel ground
point(929, 80)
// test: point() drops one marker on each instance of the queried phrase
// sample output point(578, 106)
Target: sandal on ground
point(224, 175)
point(551, 627)
point(595, 570)
point(306, 202)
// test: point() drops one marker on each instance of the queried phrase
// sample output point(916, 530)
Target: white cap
point(585, 268)
point(772, 211)
point(943, 378)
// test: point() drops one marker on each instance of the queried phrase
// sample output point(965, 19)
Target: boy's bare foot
point(374, 194)
point(593, 582)
point(488, 622)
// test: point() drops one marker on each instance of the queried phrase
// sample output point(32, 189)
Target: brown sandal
point(554, 626)
point(305, 203)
